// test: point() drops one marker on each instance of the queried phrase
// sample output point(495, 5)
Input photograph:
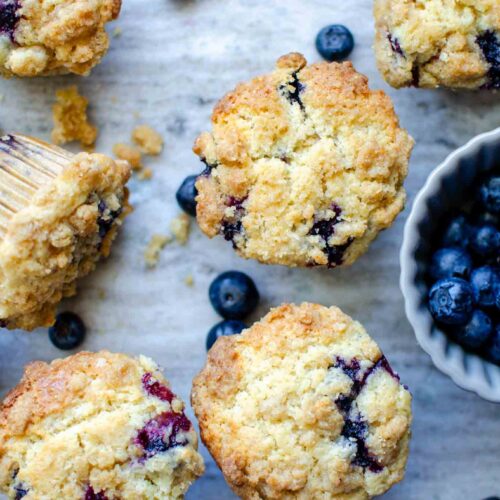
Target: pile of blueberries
point(464, 298)
point(234, 296)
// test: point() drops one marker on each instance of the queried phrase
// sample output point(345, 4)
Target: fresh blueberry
point(334, 42)
point(68, 331)
point(457, 233)
point(233, 295)
point(485, 241)
point(485, 281)
point(476, 332)
point(450, 301)
point(186, 195)
point(489, 193)
point(449, 263)
point(223, 329)
point(493, 346)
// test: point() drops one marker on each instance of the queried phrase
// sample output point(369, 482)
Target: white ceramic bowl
point(446, 187)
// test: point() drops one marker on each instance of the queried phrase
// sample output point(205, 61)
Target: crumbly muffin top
point(305, 165)
point(303, 405)
point(57, 227)
point(431, 43)
point(42, 37)
point(96, 426)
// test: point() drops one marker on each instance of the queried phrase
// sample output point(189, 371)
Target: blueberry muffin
point(44, 37)
point(437, 43)
point(303, 405)
point(59, 214)
point(304, 166)
point(96, 426)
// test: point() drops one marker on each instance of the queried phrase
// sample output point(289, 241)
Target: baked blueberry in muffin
point(435, 43)
point(43, 37)
point(303, 405)
point(305, 165)
point(96, 426)
point(59, 216)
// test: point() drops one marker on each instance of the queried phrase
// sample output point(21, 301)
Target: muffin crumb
point(148, 140)
point(117, 32)
point(145, 174)
point(152, 253)
point(180, 227)
point(189, 280)
point(128, 153)
point(70, 118)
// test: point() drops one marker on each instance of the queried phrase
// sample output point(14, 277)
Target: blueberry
point(334, 42)
point(233, 295)
point(485, 281)
point(457, 234)
point(493, 346)
point(476, 332)
point(9, 16)
point(485, 241)
point(186, 195)
point(223, 329)
point(489, 44)
point(488, 218)
point(450, 301)
point(449, 263)
point(90, 494)
point(68, 331)
point(489, 194)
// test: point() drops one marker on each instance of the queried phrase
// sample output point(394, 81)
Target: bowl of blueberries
point(450, 266)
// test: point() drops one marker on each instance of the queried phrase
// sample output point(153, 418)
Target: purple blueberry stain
point(7, 141)
point(106, 218)
point(355, 429)
point(489, 43)
point(9, 17)
point(156, 389)
point(350, 368)
point(233, 227)
point(161, 433)
point(395, 45)
point(325, 229)
point(207, 171)
point(293, 94)
point(90, 494)
point(21, 491)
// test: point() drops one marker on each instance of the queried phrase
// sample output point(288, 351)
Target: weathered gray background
point(172, 62)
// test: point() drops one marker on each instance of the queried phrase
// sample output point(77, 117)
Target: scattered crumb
point(114, 99)
point(137, 115)
point(145, 174)
point(70, 118)
point(189, 280)
point(180, 227)
point(1, 97)
point(129, 153)
point(155, 246)
point(117, 32)
point(148, 140)
point(101, 294)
